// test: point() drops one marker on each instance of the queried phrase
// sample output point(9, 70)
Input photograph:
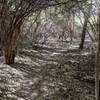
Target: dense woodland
point(49, 49)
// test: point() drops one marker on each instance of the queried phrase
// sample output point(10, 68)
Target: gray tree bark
point(97, 66)
point(86, 19)
point(83, 33)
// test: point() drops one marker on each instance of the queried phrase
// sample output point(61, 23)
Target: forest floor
point(49, 72)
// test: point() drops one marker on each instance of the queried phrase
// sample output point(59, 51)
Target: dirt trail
point(49, 73)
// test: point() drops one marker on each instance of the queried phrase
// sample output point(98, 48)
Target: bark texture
point(83, 33)
point(97, 67)
point(87, 13)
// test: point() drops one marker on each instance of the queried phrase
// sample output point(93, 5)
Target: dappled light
point(49, 50)
point(49, 75)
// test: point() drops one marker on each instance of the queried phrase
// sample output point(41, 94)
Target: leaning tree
point(12, 14)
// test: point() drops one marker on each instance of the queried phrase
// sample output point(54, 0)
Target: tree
point(84, 30)
point(97, 67)
point(12, 14)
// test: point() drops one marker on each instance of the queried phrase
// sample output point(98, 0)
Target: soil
point(49, 72)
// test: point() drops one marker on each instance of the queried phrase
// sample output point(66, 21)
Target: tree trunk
point(9, 44)
point(87, 14)
point(9, 52)
point(9, 47)
point(97, 72)
point(83, 33)
point(97, 67)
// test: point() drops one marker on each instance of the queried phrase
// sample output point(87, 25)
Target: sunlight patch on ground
point(73, 61)
point(55, 53)
point(7, 69)
point(85, 53)
point(12, 81)
point(29, 51)
point(14, 97)
point(26, 60)
point(71, 47)
point(45, 62)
